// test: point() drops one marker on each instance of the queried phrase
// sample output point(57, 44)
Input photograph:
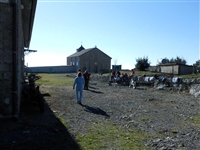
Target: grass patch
point(52, 92)
point(174, 131)
point(64, 122)
point(195, 120)
point(107, 135)
point(55, 80)
point(145, 119)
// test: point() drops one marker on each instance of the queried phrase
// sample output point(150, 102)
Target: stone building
point(16, 22)
point(179, 69)
point(92, 59)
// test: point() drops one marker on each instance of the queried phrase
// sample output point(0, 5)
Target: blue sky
point(124, 30)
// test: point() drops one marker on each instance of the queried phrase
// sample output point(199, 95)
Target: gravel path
point(153, 111)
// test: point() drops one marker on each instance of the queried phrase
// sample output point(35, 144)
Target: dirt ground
point(153, 111)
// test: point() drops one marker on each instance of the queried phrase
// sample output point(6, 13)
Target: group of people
point(117, 77)
point(81, 82)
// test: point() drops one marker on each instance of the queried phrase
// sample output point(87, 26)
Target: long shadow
point(140, 88)
point(95, 110)
point(35, 130)
point(98, 92)
point(92, 83)
point(91, 87)
point(46, 94)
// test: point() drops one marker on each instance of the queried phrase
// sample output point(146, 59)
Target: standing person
point(132, 72)
point(113, 74)
point(86, 76)
point(79, 70)
point(79, 83)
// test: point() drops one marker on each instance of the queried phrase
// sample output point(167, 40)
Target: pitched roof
point(77, 54)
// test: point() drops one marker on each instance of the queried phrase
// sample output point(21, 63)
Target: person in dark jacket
point(86, 76)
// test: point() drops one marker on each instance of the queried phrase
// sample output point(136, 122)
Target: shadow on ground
point(35, 130)
point(140, 88)
point(95, 110)
point(94, 91)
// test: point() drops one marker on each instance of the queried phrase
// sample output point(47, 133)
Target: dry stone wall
point(195, 90)
point(185, 85)
point(190, 85)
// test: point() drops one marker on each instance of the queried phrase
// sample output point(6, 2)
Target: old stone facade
point(92, 59)
point(11, 56)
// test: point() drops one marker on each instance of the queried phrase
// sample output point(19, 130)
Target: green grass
point(107, 135)
point(64, 122)
point(195, 119)
point(55, 80)
point(145, 119)
point(174, 131)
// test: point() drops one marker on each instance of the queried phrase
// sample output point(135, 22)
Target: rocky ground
point(169, 113)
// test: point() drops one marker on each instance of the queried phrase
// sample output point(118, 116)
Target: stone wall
point(8, 105)
point(5, 59)
point(191, 86)
point(51, 69)
point(184, 85)
point(195, 90)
